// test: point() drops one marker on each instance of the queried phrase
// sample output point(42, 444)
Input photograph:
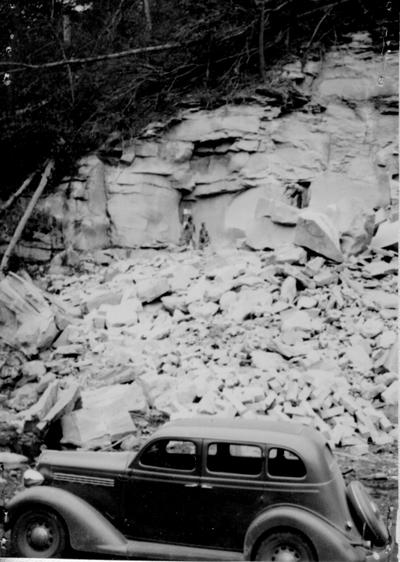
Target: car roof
point(308, 443)
point(260, 430)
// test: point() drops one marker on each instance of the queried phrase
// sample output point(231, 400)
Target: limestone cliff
point(236, 166)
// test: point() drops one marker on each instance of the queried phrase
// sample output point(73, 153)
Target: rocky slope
point(143, 334)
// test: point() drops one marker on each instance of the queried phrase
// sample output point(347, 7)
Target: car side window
point(170, 454)
point(234, 458)
point(285, 463)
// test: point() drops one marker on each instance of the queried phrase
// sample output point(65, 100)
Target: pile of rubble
point(286, 333)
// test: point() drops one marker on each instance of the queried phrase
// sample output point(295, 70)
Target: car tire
point(284, 546)
point(38, 533)
point(367, 517)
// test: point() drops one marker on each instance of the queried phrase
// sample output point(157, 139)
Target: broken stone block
point(314, 265)
point(288, 290)
point(27, 321)
point(325, 277)
point(380, 298)
point(65, 403)
point(24, 397)
point(99, 322)
point(372, 327)
point(387, 235)
point(387, 339)
point(103, 297)
point(207, 404)
point(252, 394)
point(263, 234)
point(203, 309)
point(392, 360)
point(357, 237)
point(182, 277)
point(316, 232)
point(125, 314)
point(296, 320)
point(45, 381)
point(197, 291)
point(104, 416)
point(234, 397)
point(173, 302)
point(282, 213)
point(266, 360)
point(359, 358)
point(149, 290)
point(71, 350)
point(33, 370)
point(306, 302)
point(288, 253)
point(42, 407)
point(380, 268)
point(228, 300)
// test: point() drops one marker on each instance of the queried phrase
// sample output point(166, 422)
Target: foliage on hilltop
point(212, 49)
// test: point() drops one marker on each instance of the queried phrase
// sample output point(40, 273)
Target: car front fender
point(88, 529)
point(329, 544)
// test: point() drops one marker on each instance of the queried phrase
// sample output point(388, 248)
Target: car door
point(161, 491)
point(232, 492)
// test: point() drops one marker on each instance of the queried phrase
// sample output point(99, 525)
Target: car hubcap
point(285, 554)
point(40, 537)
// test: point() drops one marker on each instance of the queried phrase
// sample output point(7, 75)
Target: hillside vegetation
point(62, 94)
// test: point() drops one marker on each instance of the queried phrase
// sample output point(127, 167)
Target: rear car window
point(170, 454)
point(234, 458)
point(285, 463)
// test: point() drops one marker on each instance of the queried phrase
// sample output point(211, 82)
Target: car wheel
point(284, 546)
point(38, 533)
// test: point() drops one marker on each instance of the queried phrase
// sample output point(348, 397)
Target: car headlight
point(32, 478)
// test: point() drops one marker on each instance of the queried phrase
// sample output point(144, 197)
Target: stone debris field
point(123, 335)
point(291, 309)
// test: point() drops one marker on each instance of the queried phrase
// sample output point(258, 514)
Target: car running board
point(157, 551)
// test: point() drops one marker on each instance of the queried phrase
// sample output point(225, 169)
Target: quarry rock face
point(244, 170)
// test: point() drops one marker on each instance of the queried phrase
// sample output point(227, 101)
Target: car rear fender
point(328, 543)
point(88, 529)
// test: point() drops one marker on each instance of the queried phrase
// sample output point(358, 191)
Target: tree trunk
point(147, 13)
point(261, 55)
point(21, 225)
point(15, 195)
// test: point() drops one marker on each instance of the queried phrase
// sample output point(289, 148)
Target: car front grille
point(82, 479)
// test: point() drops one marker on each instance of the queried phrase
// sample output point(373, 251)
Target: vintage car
point(200, 489)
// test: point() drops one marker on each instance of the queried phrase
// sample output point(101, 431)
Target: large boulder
point(27, 320)
point(263, 234)
point(104, 416)
point(316, 232)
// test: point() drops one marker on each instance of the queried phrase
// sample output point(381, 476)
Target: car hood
point(86, 460)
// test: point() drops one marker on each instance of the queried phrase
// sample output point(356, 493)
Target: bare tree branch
point(15, 195)
point(87, 60)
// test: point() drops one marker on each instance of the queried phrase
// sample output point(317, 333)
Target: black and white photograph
point(199, 280)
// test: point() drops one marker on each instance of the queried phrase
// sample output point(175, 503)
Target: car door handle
point(191, 485)
point(207, 486)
